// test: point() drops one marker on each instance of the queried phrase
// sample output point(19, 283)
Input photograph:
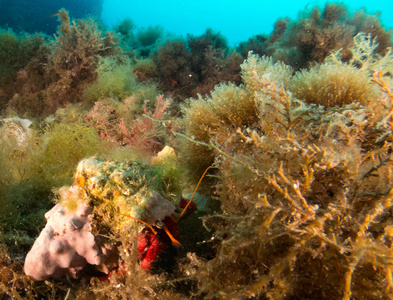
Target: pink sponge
point(64, 246)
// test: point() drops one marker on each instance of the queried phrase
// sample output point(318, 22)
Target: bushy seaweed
point(64, 67)
point(173, 68)
point(24, 195)
point(302, 157)
point(317, 32)
point(117, 80)
point(47, 161)
point(145, 69)
point(114, 80)
point(74, 58)
point(196, 65)
point(305, 196)
point(333, 85)
point(228, 107)
point(15, 52)
point(64, 145)
point(140, 42)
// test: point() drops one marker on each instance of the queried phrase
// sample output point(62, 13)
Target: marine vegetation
point(292, 149)
point(197, 65)
point(116, 80)
point(15, 52)
point(305, 189)
point(140, 42)
point(316, 33)
point(260, 43)
point(124, 125)
point(74, 57)
point(64, 67)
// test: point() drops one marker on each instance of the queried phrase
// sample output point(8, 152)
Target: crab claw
point(150, 246)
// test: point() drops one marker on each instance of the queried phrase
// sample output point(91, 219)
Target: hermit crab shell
point(156, 208)
point(122, 187)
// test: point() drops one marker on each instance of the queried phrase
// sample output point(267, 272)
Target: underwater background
point(196, 150)
point(237, 21)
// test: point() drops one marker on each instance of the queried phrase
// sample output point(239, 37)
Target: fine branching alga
point(305, 188)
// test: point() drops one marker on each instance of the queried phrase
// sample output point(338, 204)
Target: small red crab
point(151, 245)
point(155, 240)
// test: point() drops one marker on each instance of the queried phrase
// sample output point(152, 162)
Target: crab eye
point(160, 224)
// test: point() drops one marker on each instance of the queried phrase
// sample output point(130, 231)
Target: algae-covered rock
point(93, 215)
point(118, 188)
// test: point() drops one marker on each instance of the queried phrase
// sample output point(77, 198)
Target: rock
point(106, 196)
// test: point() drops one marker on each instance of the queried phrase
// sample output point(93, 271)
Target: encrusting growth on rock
point(104, 201)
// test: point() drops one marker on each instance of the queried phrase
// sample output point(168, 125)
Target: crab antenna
point(192, 197)
point(139, 220)
point(174, 241)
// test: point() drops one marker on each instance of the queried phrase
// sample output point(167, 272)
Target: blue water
point(236, 20)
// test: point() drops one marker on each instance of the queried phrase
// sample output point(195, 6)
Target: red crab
point(155, 240)
point(152, 242)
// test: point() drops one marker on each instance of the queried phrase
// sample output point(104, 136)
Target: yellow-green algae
point(116, 190)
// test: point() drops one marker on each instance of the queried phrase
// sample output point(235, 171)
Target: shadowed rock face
point(35, 16)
